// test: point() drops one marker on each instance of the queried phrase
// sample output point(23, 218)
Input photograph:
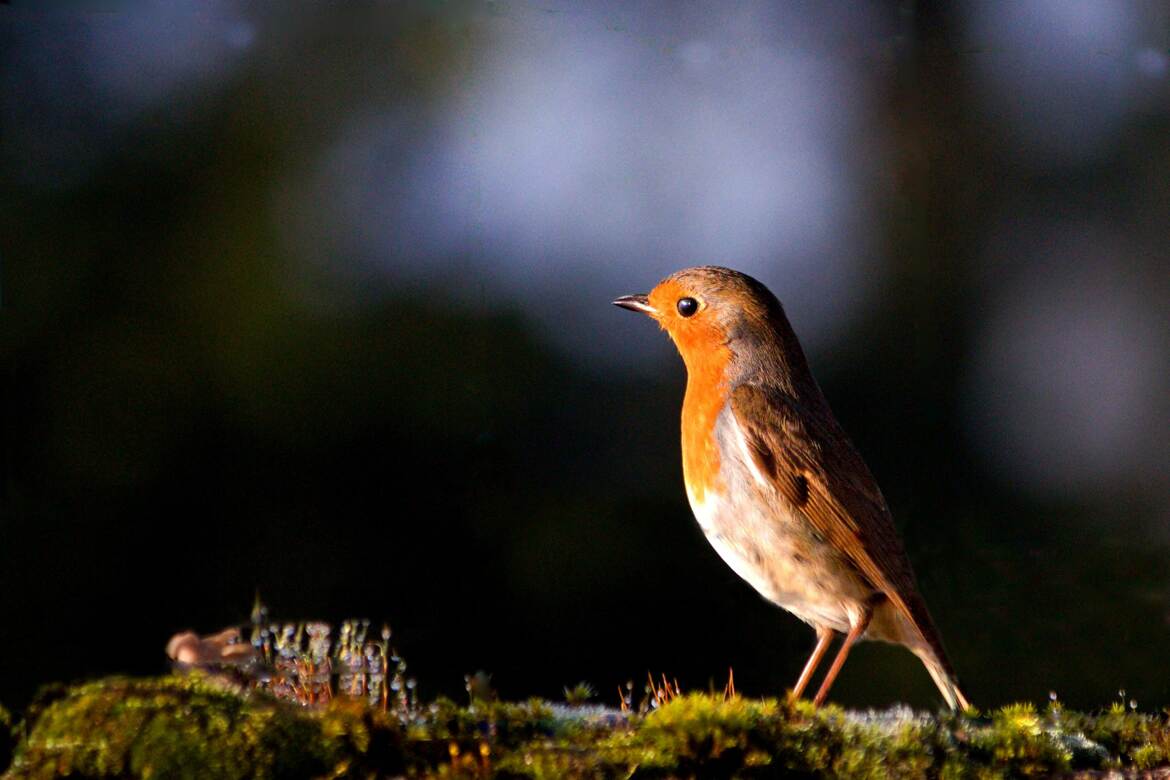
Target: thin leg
point(824, 639)
point(854, 634)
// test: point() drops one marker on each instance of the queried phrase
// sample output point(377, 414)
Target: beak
point(636, 303)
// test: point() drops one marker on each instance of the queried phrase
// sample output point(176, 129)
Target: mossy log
point(199, 726)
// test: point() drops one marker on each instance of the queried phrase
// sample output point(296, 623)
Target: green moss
point(1136, 738)
point(177, 727)
point(195, 726)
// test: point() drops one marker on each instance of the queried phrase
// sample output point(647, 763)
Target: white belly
point(768, 559)
point(740, 560)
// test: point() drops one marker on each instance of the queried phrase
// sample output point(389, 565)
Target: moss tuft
point(178, 727)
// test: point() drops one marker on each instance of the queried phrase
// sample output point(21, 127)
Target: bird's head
point(713, 315)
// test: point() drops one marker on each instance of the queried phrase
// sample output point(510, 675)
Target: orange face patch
point(703, 348)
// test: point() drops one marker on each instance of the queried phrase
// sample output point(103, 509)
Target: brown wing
point(813, 465)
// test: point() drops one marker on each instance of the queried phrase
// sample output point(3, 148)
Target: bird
point(775, 484)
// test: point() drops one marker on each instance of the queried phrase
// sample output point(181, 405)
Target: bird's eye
point(687, 306)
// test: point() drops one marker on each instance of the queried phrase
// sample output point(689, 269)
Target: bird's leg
point(824, 639)
point(855, 632)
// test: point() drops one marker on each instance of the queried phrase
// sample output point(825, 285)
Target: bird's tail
point(921, 636)
point(944, 678)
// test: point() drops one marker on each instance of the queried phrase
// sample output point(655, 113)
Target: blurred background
point(317, 303)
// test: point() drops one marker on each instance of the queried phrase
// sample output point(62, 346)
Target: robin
point(777, 487)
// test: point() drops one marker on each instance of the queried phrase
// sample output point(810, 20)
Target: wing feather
point(812, 464)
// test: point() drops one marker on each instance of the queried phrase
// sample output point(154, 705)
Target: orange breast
point(703, 347)
point(705, 397)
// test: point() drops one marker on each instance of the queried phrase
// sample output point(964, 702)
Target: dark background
point(318, 304)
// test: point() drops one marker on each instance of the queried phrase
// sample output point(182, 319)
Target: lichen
point(198, 726)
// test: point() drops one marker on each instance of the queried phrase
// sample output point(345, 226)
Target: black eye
point(687, 306)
